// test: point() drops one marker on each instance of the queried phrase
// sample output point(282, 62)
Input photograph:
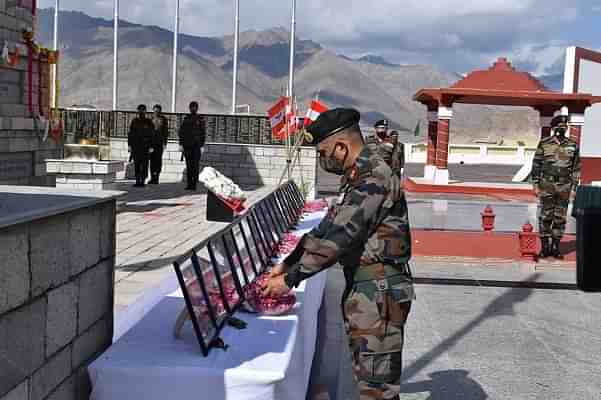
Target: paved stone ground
point(155, 225)
point(469, 340)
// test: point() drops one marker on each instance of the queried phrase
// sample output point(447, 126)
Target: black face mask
point(560, 132)
point(331, 164)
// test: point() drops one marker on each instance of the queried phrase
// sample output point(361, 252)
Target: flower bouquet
point(223, 187)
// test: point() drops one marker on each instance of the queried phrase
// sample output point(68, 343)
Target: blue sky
point(457, 36)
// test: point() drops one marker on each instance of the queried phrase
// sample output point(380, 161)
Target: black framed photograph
point(268, 223)
point(271, 209)
point(266, 238)
point(221, 256)
point(287, 206)
point(242, 256)
point(199, 308)
point(254, 246)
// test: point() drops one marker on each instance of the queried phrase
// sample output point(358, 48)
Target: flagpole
point(291, 76)
point(115, 52)
point(55, 48)
point(175, 51)
point(236, 42)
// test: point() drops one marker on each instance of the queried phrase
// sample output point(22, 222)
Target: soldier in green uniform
point(367, 232)
point(389, 147)
point(555, 174)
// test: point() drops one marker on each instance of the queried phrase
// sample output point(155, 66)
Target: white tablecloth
point(271, 359)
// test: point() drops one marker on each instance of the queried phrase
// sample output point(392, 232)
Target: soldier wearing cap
point(390, 148)
point(367, 232)
point(139, 141)
point(555, 174)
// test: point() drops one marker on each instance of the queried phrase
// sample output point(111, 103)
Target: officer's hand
point(181, 148)
point(536, 190)
point(277, 270)
point(151, 150)
point(202, 150)
point(275, 287)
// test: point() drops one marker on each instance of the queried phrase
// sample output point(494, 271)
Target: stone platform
point(84, 174)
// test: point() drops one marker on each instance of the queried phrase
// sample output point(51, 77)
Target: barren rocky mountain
point(378, 88)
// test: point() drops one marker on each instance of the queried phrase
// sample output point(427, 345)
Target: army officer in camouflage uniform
point(367, 232)
point(390, 148)
point(555, 174)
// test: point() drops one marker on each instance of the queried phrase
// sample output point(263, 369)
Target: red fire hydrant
point(488, 219)
point(528, 242)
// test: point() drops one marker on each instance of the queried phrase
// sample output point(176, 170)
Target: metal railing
point(221, 128)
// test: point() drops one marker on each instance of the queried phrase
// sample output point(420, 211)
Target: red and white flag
point(292, 120)
point(278, 117)
point(315, 109)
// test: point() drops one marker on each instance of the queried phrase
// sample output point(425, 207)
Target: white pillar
point(236, 44)
point(175, 51)
point(55, 48)
point(115, 53)
point(291, 77)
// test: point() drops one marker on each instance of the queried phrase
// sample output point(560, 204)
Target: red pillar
point(432, 133)
point(442, 146)
point(430, 168)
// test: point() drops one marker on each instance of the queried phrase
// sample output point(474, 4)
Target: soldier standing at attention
point(367, 232)
point(139, 141)
point(159, 141)
point(555, 174)
point(192, 135)
point(389, 147)
point(398, 155)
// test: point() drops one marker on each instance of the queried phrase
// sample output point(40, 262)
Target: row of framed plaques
point(213, 275)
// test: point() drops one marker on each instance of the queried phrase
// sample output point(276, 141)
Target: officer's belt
point(556, 178)
point(380, 271)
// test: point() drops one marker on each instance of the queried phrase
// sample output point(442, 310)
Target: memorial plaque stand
point(221, 210)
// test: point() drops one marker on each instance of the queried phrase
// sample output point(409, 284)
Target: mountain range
point(378, 88)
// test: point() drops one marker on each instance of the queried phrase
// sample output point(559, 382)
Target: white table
point(271, 359)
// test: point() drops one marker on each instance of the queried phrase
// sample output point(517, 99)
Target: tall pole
point(55, 48)
point(175, 51)
point(291, 77)
point(236, 43)
point(115, 52)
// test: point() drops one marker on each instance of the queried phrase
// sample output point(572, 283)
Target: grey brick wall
point(22, 151)
point(56, 302)
point(247, 165)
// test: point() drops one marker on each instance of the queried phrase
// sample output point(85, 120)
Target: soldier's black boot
point(545, 248)
point(555, 249)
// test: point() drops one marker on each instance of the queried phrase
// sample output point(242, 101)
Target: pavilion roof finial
point(501, 76)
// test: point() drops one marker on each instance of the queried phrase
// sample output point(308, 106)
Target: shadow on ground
point(454, 384)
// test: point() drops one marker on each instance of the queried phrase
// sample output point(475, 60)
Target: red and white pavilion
point(499, 85)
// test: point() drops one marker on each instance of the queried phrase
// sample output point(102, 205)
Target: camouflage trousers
point(375, 312)
point(554, 201)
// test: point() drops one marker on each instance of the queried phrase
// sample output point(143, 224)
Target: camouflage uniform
point(393, 152)
point(367, 231)
point(556, 172)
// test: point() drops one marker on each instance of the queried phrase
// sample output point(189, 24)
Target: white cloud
point(453, 33)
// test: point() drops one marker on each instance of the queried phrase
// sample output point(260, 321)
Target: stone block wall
point(247, 165)
point(56, 302)
point(22, 150)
